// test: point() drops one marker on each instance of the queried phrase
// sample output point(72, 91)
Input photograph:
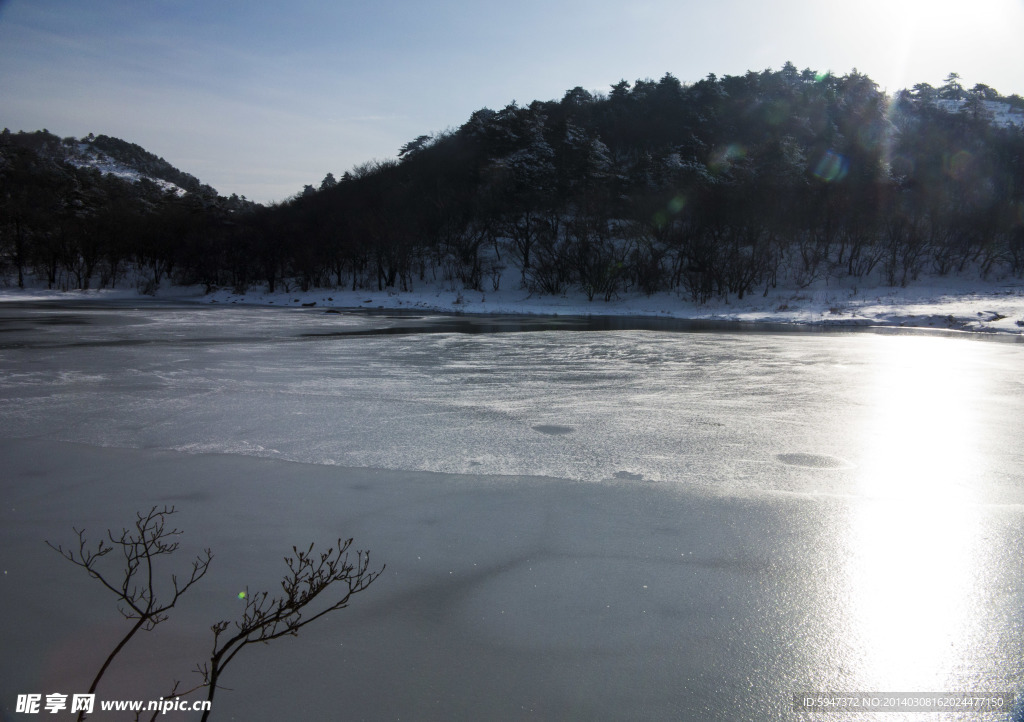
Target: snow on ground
point(947, 303)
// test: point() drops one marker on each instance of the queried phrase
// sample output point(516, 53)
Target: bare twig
point(304, 594)
point(136, 592)
point(266, 618)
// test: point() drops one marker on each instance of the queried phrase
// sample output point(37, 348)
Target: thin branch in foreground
point(265, 618)
point(136, 590)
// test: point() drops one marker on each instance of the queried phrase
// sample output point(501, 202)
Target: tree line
point(723, 187)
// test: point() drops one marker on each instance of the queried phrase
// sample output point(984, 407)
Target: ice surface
point(597, 524)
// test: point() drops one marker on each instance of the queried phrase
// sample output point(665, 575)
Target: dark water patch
point(553, 429)
point(448, 324)
point(813, 461)
point(195, 342)
point(486, 323)
point(63, 320)
point(385, 322)
point(415, 322)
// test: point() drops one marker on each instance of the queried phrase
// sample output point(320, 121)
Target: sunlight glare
point(914, 536)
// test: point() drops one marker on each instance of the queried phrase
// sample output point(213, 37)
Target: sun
point(900, 43)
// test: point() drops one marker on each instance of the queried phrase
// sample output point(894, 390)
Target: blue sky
point(261, 98)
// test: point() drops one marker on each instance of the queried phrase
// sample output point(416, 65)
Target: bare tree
point(136, 592)
point(305, 592)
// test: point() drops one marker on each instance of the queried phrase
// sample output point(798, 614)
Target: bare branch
point(137, 598)
point(315, 585)
point(266, 618)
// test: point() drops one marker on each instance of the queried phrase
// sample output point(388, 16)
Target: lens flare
point(832, 167)
point(725, 156)
point(675, 205)
point(889, 137)
point(958, 165)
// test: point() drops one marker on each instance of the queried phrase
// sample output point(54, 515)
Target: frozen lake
point(580, 519)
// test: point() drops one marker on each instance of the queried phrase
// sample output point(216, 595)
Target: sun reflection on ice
point(914, 538)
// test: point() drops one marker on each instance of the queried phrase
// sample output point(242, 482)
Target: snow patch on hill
point(83, 155)
point(1003, 114)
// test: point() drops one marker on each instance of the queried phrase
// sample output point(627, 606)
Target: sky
point(260, 99)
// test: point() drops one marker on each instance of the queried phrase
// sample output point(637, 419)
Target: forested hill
point(108, 155)
point(81, 213)
point(721, 187)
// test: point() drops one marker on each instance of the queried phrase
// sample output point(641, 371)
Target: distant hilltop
point(124, 160)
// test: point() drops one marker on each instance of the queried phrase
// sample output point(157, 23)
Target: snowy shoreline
point(977, 307)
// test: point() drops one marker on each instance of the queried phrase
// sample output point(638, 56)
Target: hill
point(81, 212)
point(716, 189)
point(113, 156)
